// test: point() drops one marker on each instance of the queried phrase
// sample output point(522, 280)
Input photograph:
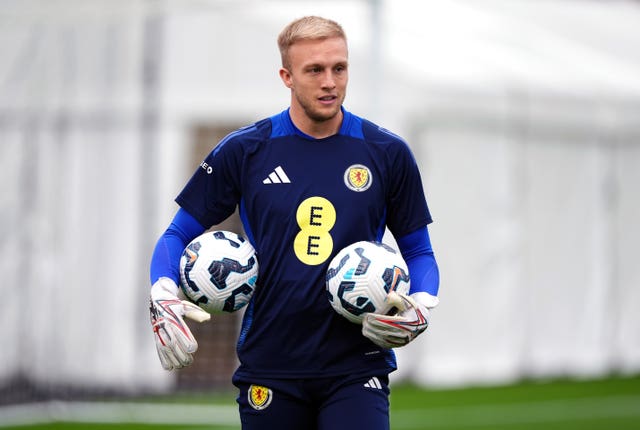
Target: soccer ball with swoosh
point(219, 271)
point(360, 277)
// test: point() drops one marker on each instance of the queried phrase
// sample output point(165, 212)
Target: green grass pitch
point(612, 403)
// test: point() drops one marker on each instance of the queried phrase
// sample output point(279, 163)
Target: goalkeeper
point(307, 181)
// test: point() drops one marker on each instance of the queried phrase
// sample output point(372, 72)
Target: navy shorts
point(337, 403)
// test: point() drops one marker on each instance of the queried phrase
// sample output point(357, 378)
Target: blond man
point(307, 181)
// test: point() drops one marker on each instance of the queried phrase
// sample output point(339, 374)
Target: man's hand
point(391, 331)
point(174, 342)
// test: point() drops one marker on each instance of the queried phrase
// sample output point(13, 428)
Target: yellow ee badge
point(358, 178)
point(259, 397)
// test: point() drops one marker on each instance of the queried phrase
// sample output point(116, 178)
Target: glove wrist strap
point(164, 285)
point(425, 299)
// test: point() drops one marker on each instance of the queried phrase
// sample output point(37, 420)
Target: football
point(361, 275)
point(218, 271)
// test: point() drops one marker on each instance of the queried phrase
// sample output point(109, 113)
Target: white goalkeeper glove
point(392, 331)
point(174, 342)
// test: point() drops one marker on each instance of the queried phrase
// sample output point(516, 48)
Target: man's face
point(317, 76)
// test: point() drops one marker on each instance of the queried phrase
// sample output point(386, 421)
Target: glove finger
point(399, 323)
point(180, 344)
point(182, 359)
point(166, 353)
point(398, 339)
point(185, 338)
point(178, 355)
point(163, 336)
point(166, 362)
point(399, 329)
point(395, 341)
point(194, 312)
point(177, 359)
point(381, 317)
point(394, 338)
point(185, 341)
point(385, 324)
point(176, 333)
point(188, 346)
point(396, 300)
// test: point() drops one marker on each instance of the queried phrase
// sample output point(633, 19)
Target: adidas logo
point(373, 383)
point(277, 177)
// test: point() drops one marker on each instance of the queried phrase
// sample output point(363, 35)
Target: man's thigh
point(358, 404)
point(275, 405)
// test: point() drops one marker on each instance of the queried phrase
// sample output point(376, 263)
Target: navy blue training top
point(301, 201)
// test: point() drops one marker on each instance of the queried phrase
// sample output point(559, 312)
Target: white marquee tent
point(524, 116)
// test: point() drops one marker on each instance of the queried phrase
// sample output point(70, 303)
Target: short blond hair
point(307, 28)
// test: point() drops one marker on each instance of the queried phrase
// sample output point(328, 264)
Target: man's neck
point(316, 129)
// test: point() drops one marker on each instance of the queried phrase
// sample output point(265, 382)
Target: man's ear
point(285, 75)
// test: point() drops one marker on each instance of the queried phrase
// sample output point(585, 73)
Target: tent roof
point(558, 46)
